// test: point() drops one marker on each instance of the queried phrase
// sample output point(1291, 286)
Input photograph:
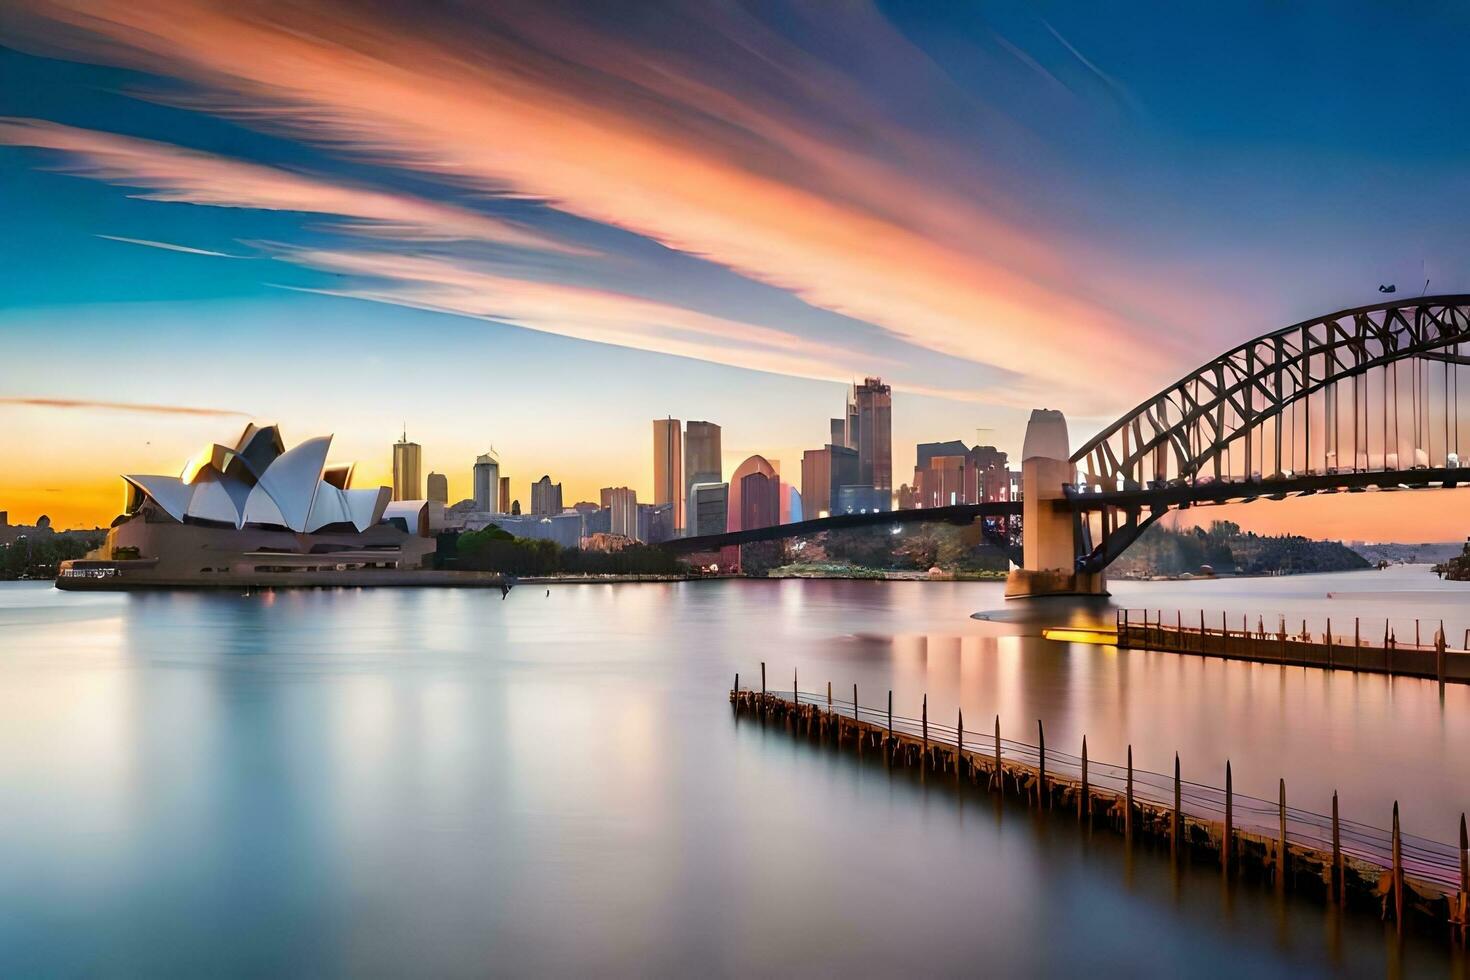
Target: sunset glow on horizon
point(538, 227)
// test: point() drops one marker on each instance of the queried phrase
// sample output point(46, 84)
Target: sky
point(540, 226)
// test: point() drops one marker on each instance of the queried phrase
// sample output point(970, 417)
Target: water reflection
point(444, 782)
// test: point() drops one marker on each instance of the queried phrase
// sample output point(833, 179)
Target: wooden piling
point(1464, 875)
point(995, 774)
point(1281, 840)
point(763, 678)
point(1084, 799)
point(1229, 822)
point(1398, 871)
point(1439, 655)
point(1128, 801)
point(924, 761)
point(1339, 893)
point(959, 746)
point(888, 746)
point(1040, 766)
point(1178, 821)
point(1329, 644)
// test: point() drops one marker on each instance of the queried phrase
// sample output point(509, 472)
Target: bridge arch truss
point(1372, 390)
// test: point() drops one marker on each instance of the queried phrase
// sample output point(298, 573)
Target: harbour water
point(442, 782)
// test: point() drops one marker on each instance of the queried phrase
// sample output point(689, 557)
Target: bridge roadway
point(961, 514)
point(1154, 501)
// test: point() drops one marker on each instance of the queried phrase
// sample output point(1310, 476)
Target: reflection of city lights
point(896, 529)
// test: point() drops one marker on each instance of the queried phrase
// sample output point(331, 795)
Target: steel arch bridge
point(1366, 398)
point(1363, 398)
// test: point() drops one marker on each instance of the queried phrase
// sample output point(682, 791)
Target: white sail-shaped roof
point(366, 507)
point(293, 478)
point(167, 491)
point(258, 482)
point(329, 507)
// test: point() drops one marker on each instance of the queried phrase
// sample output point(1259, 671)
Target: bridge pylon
point(1049, 541)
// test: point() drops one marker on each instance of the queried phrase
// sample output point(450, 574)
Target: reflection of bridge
point(1363, 399)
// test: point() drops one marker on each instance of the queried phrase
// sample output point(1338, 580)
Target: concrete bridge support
point(1050, 549)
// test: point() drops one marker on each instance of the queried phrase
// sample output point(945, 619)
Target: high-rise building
point(839, 434)
point(709, 508)
point(842, 471)
point(953, 473)
point(668, 467)
point(438, 488)
point(755, 495)
point(655, 523)
point(504, 505)
point(816, 482)
point(760, 501)
point(871, 412)
point(545, 497)
point(622, 506)
point(487, 483)
point(407, 458)
point(701, 463)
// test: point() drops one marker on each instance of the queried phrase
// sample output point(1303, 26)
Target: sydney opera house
point(256, 513)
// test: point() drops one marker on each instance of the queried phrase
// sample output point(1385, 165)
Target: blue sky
point(539, 226)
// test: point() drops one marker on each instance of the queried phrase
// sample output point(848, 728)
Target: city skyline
point(756, 208)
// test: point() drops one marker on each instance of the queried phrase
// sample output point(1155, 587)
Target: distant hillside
point(1429, 553)
point(1229, 551)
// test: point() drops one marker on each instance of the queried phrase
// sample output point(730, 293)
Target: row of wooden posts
point(1279, 646)
point(900, 747)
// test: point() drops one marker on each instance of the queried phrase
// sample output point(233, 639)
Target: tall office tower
point(765, 505)
point(839, 434)
point(407, 457)
point(843, 471)
point(816, 482)
point(872, 405)
point(487, 483)
point(545, 497)
point(438, 488)
point(668, 468)
point(708, 510)
point(622, 505)
point(504, 506)
point(701, 463)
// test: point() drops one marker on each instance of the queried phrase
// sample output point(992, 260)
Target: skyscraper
point(708, 510)
point(407, 457)
point(668, 468)
point(545, 497)
point(438, 488)
point(622, 505)
point(487, 483)
point(871, 411)
point(504, 507)
point(765, 503)
point(816, 481)
point(842, 471)
point(701, 463)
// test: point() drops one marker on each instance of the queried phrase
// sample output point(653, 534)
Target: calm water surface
point(439, 782)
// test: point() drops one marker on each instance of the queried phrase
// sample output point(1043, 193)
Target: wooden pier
point(1397, 876)
point(1356, 650)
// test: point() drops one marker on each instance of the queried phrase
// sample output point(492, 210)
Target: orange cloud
point(120, 407)
point(172, 173)
point(909, 238)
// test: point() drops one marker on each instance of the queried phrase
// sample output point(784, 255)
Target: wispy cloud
point(449, 285)
point(73, 403)
point(174, 173)
point(171, 247)
point(720, 138)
